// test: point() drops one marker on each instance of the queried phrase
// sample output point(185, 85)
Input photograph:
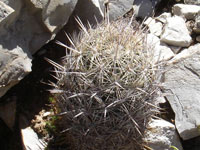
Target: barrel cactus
point(106, 88)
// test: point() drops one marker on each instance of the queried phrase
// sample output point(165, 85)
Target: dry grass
point(106, 88)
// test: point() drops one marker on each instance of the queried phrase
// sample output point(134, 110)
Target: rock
point(5, 13)
point(161, 52)
point(7, 113)
point(197, 23)
point(187, 11)
point(182, 82)
point(92, 11)
point(144, 8)
point(160, 99)
point(196, 2)
point(88, 11)
point(31, 140)
point(161, 135)
point(154, 27)
point(152, 41)
point(176, 33)
point(185, 53)
point(163, 17)
point(25, 26)
point(190, 26)
point(117, 8)
point(14, 65)
point(55, 13)
point(198, 38)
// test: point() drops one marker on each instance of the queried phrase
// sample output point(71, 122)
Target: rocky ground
point(30, 97)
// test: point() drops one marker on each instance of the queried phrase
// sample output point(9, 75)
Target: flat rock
point(154, 26)
point(31, 140)
point(160, 135)
point(176, 33)
point(161, 52)
point(187, 11)
point(185, 53)
point(182, 83)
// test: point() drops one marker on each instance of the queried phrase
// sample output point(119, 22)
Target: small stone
point(154, 27)
point(161, 135)
point(187, 11)
point(190, 25)
point(176, 33)
point(161, 52)
point(160, 100)
point(46, 114)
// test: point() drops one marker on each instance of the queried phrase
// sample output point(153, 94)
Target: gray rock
point(182, 83)
point(198, 38)
point(16, 6)
point(154, 26)
point(161, 52)
point(88, 11)
point(25, 26)
point(5, 13)
point(117, 8)
point(176, 33)
point(161, 135)
point(196, 2)
point(144, 8)
point(187, 11)
point(185, 53)
point(93, 11)
point(14, 65)
point(197, 23)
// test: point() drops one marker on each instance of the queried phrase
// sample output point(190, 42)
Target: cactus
point(106, 88)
